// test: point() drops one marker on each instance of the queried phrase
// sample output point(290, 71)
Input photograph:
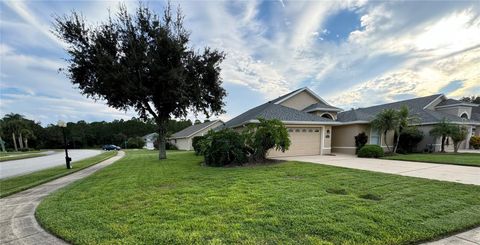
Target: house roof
point(320, 106)
point(270, 110)
point(452, 102)
point(187, 132)
point(150, 136)
point(416, 107)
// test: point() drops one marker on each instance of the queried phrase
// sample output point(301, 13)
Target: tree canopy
point(143, 62)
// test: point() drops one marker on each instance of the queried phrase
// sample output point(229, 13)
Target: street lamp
point(63, 125)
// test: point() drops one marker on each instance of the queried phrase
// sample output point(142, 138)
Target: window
point(317, 130)
point(327, 115)
point(374, 137)
point(464, 115)
point(304, 130)
point(290, 130)
point(297, 130)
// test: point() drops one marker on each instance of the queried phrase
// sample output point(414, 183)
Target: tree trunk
point(385, 136)
point(26, 142)
point(3, 144)
point(20, 141)
point(14, 141)
point(162, 153)
point(396, 144)
point(443, 144)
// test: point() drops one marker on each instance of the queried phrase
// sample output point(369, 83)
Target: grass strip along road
point(9, 186)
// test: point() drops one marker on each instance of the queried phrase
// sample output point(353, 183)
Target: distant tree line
point(20, 133)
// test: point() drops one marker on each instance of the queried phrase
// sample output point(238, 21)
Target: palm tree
point(14, 123)
point(27, 134)
point(442, 129)
point(458, 134)
point(403, 120)
point(385, 121)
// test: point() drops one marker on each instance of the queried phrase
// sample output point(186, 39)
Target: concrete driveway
point(24, 166)
point(445, 172)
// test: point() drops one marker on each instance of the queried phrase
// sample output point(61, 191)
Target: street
point(24, 166)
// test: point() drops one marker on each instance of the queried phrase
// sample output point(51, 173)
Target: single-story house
point(317, 127)
point(183, 138)
point(149, 141)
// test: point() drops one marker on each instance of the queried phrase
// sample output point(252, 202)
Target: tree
point(360, 140)
point(442, 129)
point(267, 134)
point(403, 119)
point(385, 121)
point(458, 134)
point(472, 99)
point(143, 62)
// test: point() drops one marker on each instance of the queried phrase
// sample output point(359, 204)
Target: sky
point(351, 53)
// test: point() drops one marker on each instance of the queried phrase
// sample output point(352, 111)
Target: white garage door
point(304, 141)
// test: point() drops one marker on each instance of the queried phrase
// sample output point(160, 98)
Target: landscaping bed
point(466, 159)
point(141, 200)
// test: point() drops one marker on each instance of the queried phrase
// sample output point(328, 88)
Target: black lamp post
point(63, 125)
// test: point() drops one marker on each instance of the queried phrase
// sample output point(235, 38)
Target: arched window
point(327, 115)
point(464, 115)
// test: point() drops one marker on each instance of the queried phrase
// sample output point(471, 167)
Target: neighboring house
point(183, 138)
point(317, 127)
point(150, 140)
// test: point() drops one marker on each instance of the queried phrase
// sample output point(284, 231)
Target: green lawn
point(9, 156)
point(15, 184)
point(468, 159)
point(140, 200)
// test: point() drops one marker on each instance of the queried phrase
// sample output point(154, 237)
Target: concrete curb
point(17, 212)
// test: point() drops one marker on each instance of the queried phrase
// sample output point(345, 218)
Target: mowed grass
point(9, 156)
point(9, 186)
point(466, 159)
point(140, 200)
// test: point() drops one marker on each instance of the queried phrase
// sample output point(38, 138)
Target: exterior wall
point(342, 138)
point(327, 140)
point(183, 143)
point(300, 101)
point(186, 143)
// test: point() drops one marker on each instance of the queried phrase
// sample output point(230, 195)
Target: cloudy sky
point(353, 53)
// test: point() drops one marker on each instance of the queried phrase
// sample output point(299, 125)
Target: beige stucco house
point(183, 138)
point(316, 127)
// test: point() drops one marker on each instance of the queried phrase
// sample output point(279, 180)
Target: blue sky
point(352, 53)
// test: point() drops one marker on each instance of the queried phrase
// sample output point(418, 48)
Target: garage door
point(304, 141)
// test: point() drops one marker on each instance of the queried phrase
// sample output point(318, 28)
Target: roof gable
point(187, 132)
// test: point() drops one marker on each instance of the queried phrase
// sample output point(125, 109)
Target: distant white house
point(183, 138)
point(149, 141)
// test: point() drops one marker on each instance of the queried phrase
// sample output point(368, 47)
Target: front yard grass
point(9, 156)
point(9, 186)
point(466, 159)
point(140, 200)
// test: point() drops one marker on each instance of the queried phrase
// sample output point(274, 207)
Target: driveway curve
point(25, 166)
point(17, 212)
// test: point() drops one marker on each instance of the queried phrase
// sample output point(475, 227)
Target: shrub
point(360, 140)
point(371, 151)
point(475, 142)
point(170, 146)
point(135, 143)
point(196, 144)
point(409, 139)
point(267, 134)
point(223, 147)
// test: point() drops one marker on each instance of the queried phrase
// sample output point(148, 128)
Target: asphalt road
point(24, 166)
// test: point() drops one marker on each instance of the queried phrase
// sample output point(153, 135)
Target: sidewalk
point(17, 212)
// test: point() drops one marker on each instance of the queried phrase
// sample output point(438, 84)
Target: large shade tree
point(143, 62)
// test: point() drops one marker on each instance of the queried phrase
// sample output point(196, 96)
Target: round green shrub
point(475, 142)
point(371, 151)
point(196, 144)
